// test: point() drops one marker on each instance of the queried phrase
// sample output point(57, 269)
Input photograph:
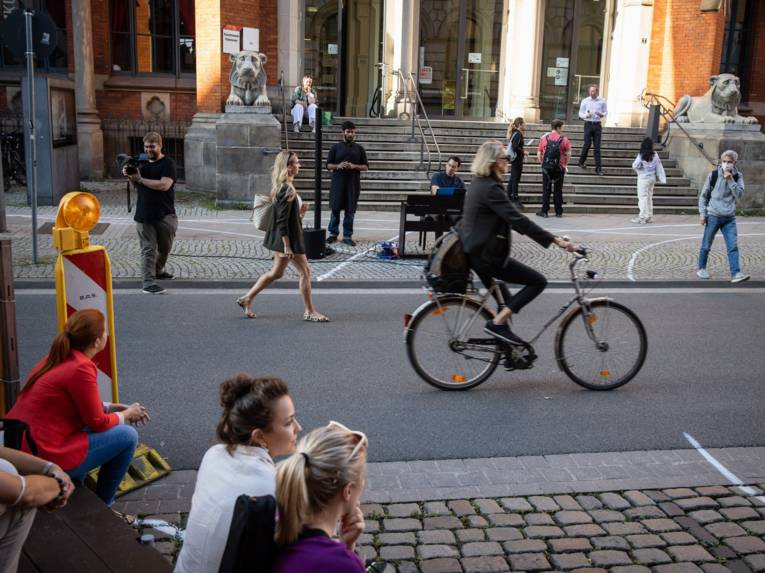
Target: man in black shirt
point(155, 218)
point(346, 161)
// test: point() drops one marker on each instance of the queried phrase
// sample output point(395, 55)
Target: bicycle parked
point(600, 344)
point(13, 163)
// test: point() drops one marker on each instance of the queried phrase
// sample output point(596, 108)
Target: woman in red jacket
point(69, 423)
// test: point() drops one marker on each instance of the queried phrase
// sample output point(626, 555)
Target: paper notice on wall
point(561, 62)
point(332, 49)
point(474, 57)
point(426, 75)
point(231, 39)
point(560, 75)
point(251, 39)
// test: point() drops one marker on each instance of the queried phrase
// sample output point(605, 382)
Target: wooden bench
point(442, 213)
point(84, 537)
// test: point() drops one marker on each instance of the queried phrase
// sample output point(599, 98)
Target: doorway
point(459, 57)
point(342, 47)
point(572, 55)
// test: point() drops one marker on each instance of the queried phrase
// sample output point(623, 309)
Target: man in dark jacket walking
point(346, 160)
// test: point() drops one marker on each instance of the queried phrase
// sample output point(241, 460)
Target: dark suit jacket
point(286, 221)
point(488, 213)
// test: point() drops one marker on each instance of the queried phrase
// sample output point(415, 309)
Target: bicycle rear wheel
point(615, 355)
point(447, 346)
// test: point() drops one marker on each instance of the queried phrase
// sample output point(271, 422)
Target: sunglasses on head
point(363, 441)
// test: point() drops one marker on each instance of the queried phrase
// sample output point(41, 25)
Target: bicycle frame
point(495, 292)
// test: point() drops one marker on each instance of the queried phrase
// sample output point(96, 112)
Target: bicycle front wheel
point(447, 346)
point(603, 347)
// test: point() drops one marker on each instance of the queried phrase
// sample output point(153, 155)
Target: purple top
point(317, 553)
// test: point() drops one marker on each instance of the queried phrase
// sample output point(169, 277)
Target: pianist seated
point(448, 179)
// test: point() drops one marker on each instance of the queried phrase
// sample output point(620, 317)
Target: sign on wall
point(561, 62)
point(426, 75)
point(251, 39)
point(474, 57)
point(231, 39)
point(332, 49)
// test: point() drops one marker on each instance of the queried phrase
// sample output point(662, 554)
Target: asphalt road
point(703, 375)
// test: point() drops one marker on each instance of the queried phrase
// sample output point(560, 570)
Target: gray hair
point(729, 153)
point(486, 157)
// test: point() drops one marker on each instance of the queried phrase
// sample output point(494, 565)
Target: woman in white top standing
point(258, 422)
point(649, 169)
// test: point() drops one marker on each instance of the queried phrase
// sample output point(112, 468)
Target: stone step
point(411, 162)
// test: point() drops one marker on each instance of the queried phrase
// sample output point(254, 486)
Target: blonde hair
point(486, 157)
point(514, 125)
point(308, 480)
point(280, 176)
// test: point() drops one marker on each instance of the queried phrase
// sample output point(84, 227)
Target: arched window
point(152, 36)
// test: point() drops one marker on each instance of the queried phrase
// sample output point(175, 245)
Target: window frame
point(175, 38)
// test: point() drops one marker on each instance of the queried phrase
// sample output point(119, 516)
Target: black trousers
point(513, 272)
point(515, 179)
point(592, 131)
point(554, 186)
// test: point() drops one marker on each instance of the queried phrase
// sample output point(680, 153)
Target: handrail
point(648, 98)
point(418, 104)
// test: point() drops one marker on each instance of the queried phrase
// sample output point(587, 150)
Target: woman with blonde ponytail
point(318, 493)
point(285, 237)
point(69, 423)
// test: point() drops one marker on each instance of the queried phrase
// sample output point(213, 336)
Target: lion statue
point(248, 79)
point(718, 105)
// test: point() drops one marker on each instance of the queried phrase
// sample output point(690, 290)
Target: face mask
point(727, 165)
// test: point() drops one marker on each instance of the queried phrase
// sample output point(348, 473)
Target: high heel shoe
point(247, 310)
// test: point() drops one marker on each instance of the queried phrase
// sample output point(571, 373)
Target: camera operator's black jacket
point(285, 221)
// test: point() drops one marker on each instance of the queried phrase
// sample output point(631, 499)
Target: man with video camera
point(155, 217)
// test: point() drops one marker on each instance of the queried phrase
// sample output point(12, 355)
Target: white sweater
point(221, 479)
point(651, 170)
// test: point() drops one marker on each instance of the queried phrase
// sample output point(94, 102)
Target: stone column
point(291, 27)
point(519, 84)
point(401, 30)
point(90, 138)
point(628, 73)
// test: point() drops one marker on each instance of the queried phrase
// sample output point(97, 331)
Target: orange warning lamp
point(78, 213)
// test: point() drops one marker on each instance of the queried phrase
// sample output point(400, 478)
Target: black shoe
point(582, 165)
point(350, 242)
point(331, 239)
point(503, 332)
point(598, 172)
point(517, 204)
point(559, 215)
point(541, 214)
point(165, 276)
point(153, 289)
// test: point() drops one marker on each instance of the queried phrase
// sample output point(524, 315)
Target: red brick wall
point(208, 61)
point(122, 104)
point(183, 106)
point(686, 47)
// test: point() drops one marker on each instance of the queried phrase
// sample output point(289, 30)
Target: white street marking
point(344, 264)
point(727, 474)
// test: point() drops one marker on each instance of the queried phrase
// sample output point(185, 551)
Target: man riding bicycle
point(487, 220)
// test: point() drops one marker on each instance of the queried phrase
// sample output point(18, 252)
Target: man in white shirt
point(593, 111)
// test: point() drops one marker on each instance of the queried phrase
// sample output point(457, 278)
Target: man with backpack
point(717, 211)
point(553, 153)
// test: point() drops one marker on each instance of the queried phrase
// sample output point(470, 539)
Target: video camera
point(130, 163)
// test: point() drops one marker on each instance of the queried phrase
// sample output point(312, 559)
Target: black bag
point(551, 159)
point(250, 546)
point(15, 433)
point(447, 268)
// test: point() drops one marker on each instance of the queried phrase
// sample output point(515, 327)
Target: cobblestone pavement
point(222, 245)
point(627, 512)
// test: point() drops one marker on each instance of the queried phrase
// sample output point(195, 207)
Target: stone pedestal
point(231, 155)
point(746, 140)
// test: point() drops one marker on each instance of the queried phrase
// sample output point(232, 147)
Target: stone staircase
point(395, 170)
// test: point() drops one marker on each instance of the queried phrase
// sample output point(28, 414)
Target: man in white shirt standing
point(593, 111)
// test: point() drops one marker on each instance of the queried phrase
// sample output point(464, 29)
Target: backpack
point(250, 547)
point(447, 269)
point(551, 159)
point(712, 183)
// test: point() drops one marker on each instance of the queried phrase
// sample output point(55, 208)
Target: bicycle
point(600, 344)
point(13, 165)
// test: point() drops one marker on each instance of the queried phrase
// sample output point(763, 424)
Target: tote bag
point(262, 212)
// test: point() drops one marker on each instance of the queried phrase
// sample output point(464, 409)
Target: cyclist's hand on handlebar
point(567, 245)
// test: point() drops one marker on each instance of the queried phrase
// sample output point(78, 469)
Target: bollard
point(10, 384)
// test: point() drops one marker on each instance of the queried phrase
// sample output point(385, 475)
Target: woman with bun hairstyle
point(257, 424)
point(67, 420)
point(318, 493)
